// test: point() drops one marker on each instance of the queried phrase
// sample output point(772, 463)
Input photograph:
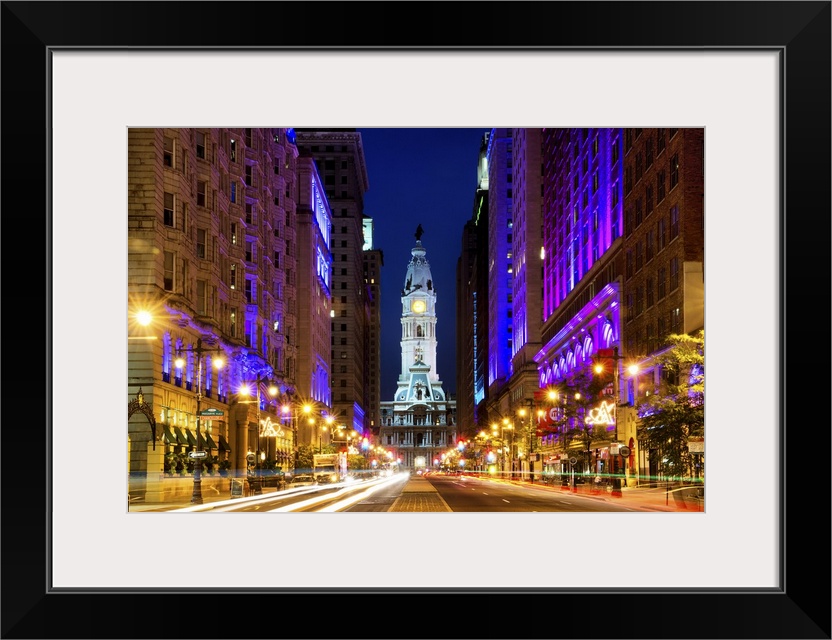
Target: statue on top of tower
point(419, 232)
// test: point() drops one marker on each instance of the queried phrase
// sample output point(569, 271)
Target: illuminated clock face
point(418, 306)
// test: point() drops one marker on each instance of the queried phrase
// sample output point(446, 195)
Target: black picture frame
point(800, 31)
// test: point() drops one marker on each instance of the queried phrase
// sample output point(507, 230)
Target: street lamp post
point(618, 470)
point(532, 437)
point(196, 498)
point(506, 426)
point(273, 391)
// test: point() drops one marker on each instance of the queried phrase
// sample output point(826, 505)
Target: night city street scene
point(415, 320)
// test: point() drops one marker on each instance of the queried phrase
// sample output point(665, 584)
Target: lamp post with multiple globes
point(198, 351)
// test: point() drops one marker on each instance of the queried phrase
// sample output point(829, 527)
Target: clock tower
point(420, 421)
point(418, 315)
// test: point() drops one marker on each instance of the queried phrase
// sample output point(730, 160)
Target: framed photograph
point(77, 76)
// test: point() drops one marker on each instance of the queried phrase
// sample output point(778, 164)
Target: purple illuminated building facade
point(595, 242)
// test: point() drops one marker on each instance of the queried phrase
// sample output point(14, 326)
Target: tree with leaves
point(669, 418)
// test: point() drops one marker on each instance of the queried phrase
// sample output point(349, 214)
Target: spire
point(418, 276)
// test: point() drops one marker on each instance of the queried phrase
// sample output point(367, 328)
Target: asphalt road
point(467, 494)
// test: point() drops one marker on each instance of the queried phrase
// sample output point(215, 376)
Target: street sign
point(212, 413)
point(250, 457)
point(573, 461)
point(624, 451)
point(197, 454)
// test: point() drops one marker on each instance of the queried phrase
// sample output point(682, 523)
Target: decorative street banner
point(548, 419)
point(601, 414)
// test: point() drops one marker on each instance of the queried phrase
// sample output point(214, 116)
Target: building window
point(661, 281)
point(639, 256)
point(660, 186)
point(200, 297)
point(249, 251)
point(614, 152)
point(649, 245)
point(639, 301)
point(615, 195)
point(233, 327)
point(169, 273)
point(674, 273)
point(661, 233)
point(660, 142)
point(200, 145)
point(169, 219)
point(233, 150)
point(594, 182)
point(639, 212)
point(648, 153)
point(676, 320)
point(628, 264)
point(200, 193)
point(233, 282)
point(200, 243)
point(168, 152)
point(674, 221)
point(648, 197)
point(234, 233)
point(674, 170)
point(249, 213)
point(249, 176)
point(648, 288)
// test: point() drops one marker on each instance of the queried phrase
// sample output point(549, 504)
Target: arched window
point(579, 355)
point(562, 367)
point(589, 347)
point(419, 331)
point(570, 361)
point(607, 334)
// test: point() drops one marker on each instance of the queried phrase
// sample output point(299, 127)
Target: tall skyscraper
point(339, 155)
point(373, 262)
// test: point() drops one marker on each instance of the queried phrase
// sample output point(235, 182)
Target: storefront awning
point(170, 437)
point(191, 437)
point(209, 442)
point(224, 445)
point(181, 438)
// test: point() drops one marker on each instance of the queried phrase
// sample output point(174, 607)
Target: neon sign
point(601, 415)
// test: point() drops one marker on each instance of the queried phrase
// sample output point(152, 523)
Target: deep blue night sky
point(419, 176)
